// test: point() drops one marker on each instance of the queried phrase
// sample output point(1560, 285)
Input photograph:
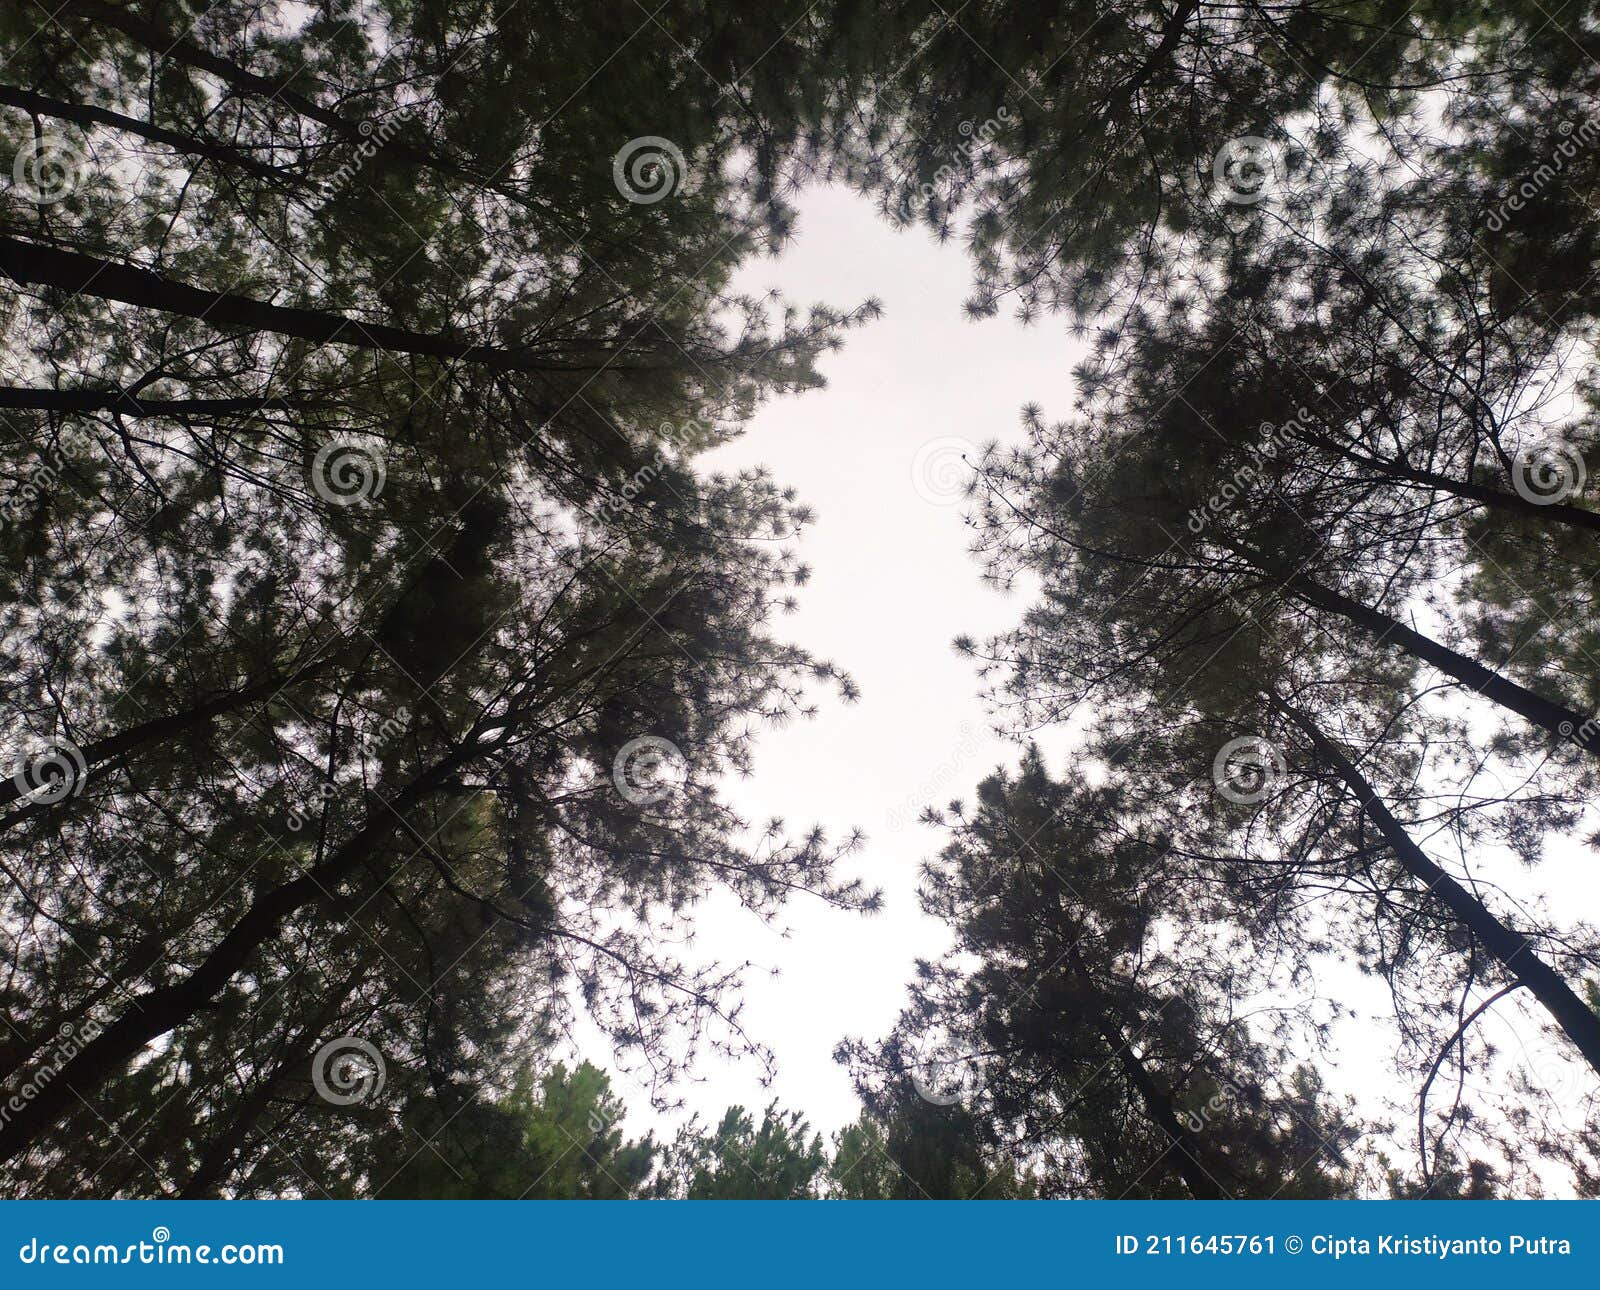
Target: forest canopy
point(379, 651)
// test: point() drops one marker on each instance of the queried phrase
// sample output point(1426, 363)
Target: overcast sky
point(875, 454)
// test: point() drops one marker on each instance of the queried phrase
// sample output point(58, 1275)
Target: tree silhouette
point(353, 547)
point(376, 646)
point(1101, 1029)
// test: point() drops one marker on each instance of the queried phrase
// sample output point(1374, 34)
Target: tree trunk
point(157, 728)
point(1514, 951)
point(464, 551)
point(218, 1160)
point(176, 46)
point(1561, 721)
point(1184, 1148)
point(87, 116)
point(156, 1012)
point(41, 265)
point(1560, 512)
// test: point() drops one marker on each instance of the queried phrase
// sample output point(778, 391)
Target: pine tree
point(1085, 1014)
point(352, 547)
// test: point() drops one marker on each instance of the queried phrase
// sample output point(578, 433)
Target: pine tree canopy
point(381, 651)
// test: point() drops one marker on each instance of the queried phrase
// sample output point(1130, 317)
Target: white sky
point(893, 583)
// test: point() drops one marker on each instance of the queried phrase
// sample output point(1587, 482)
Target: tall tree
point(781, 1158)
point(368, 685)
point(1091, 1013)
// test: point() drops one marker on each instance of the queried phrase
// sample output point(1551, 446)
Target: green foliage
point(555, 1138)
point(779, 1159)
point(351, 583)
point(351, 534)
point(1084, 1014)
point(923, 1152)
